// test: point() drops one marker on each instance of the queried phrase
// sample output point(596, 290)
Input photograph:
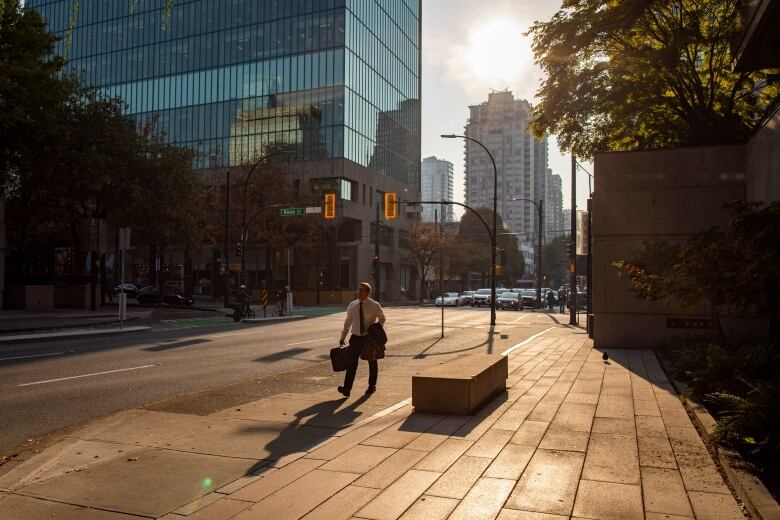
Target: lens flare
point(207, 484)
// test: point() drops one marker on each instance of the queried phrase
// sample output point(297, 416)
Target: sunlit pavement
point(573, 437)
point(54, 385)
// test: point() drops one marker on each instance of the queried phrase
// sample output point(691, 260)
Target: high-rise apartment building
point(501, 124)
point(437, 184)
point(335, 84)
point(554, 206)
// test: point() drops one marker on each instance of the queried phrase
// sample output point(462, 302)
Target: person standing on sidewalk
point(361, 314)
point(561, 301)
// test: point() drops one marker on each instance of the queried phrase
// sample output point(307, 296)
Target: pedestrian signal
point(239, 249)
point(330, 206)
point(391, 205)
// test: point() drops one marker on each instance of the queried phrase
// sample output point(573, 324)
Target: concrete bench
point(461, 386)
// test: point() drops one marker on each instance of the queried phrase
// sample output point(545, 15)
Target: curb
point(74, 334)
point(261, 321)
point(749, 489)
point(64, 326)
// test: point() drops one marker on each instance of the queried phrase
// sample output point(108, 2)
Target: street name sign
point(292, 212)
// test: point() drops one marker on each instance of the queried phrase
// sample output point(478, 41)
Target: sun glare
point(497, 52)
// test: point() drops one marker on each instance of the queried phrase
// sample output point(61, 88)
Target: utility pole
point(573, 244)
point(226, 250)
point(539, 303)
point(440, 231)
point(377, 266)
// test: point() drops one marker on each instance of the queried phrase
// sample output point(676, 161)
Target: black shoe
point(343, 392)
point(370, 390)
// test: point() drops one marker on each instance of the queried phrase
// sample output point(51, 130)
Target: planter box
point(460, 387)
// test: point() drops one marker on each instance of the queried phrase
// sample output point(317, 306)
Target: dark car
point(529, 298)
point(509, 300)
point(171, 296)
point(130, 289)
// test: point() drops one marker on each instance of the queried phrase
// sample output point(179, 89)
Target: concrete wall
point(645, 196)
point(763, 162)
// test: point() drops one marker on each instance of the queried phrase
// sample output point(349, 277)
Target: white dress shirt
point(372, 313)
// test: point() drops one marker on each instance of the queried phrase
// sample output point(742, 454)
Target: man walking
point(561, 300)
point(361, 314)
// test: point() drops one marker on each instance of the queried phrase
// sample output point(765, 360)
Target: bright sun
point(498, 53)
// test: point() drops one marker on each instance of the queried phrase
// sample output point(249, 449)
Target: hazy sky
point(470, 47)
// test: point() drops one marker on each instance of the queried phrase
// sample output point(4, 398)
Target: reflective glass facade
point(235, 79)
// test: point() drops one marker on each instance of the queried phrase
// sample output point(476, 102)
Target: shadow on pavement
point(297, 437)
point(176, 344)
point(283, 354)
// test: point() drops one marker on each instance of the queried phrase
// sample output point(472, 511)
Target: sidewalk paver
point(396, 499)
point(573, 437)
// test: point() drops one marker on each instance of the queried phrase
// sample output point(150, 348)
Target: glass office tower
point(334, 83)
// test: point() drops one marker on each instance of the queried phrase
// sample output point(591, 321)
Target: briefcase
point(338, 358)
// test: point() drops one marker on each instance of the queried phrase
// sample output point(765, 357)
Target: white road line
point(512, 349)
point(237, 334)
point(86, 375)
point(310, 341)
point(32, 356)
point(524, 316)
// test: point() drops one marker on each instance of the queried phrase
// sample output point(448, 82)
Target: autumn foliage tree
point(638, 74)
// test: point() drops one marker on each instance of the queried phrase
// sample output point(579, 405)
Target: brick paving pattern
point(574, 437)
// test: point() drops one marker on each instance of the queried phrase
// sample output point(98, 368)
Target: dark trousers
point(355, 346)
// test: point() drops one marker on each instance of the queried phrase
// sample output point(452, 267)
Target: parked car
point(466, 297)
point(171, 296)
point(529, 298)
point(449, 299)
point(130, 289)
point(480, 298)
point(509, 300)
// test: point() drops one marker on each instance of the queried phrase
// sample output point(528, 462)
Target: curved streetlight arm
point(445, 202)
point(252, 170)
point(272, 206)
point(495, 220)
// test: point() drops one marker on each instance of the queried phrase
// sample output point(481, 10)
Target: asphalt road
point(50, 386)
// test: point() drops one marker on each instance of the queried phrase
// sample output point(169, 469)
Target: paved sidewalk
point(573, 437)
point(22, 321)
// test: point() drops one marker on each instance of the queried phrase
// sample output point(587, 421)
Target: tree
point(732, 271)
point(555, 259)
point(474, 249)
point(638, 74)
point(424, 242)
point(31, 87)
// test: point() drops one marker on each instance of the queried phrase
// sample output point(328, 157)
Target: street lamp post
point(493, 237)
point(540, 210)
point(244, 231)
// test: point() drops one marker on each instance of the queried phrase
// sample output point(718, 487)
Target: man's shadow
point(324, 420)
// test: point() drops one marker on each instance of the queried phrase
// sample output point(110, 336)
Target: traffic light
point(330, 206)
point(239, 249)
point(391, 205)
point(499, 270)
point(545, 278)
point(375, 260)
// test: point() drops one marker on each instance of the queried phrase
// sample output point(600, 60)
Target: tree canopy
point(643, 74)
point(472, 251)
